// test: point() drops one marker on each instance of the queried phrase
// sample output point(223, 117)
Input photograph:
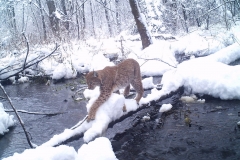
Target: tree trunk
point(107, 18)
point(12, 18)
point(93, 26)
point(184, 17)
point(54, 21)
point(118, 17)
point(43, 20)
point(83, 22)
point(66, 23)
point(141, 24)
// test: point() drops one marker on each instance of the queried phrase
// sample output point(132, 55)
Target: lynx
point(111, 79)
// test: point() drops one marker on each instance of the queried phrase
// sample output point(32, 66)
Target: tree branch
point(36, 113)
point(29, 65)
point(27, 51)
point(19, 118)
point(210, 10)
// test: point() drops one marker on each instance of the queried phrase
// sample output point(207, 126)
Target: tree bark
point(77, 21)
point(83, 22)
point(107, 18)
point(66, 23)
point(118, 17)
point(141, 25)
point(11, 16)
point(43, 20)
point(53, 19)
point(93, 25)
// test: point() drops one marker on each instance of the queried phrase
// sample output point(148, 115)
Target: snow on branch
point(11, 70)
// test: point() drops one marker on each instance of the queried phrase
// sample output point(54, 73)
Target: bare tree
point(104, 2)
point(11, 17)
point(92, 17)
point(43, 20)
point(54, 21)
point(83, 21)
point(118, 16)
point(64, 8)
point(141, 24)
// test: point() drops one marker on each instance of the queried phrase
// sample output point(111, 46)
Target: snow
point(6, 120)
point(64, 71)
point(100, 149)
point(210, 75)
point(99, 62)
point(165, 107)
point(191, 99)
point(46, 153)
point(148, 83)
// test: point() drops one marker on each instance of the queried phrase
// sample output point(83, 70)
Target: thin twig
point(214, 9)
point(156, 59)
point(36, 113)
point(2, 97)
point(24, 64)
point(79, 123)
point(19, 118)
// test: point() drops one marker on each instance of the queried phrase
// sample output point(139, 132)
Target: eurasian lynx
point(111, 79)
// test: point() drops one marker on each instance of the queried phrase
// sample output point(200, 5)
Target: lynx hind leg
point(126, 90)
point(137, 85)
point(118, 92)
point(124, 109)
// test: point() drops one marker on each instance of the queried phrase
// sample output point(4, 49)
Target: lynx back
point(111, 79)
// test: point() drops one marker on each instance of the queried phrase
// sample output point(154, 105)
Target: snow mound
point(111, 110)
point(6, 120)
point(46, 153)
point(64, 71)
point(99, 149)
point(148, 83)
point(165, 107)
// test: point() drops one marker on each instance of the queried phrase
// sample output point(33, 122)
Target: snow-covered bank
point(6, 120)
point(207, 75)
point(100, 149)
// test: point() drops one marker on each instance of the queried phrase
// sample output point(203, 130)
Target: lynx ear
point(95, 74)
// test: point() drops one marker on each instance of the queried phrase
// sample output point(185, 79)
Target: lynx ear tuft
point(95, 74)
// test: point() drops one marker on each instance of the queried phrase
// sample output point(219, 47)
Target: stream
point(213, 133)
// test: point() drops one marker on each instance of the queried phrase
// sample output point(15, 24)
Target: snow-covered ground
point(6, 120)
point(207, 75)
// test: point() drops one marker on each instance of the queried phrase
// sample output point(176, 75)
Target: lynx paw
point(90, 117)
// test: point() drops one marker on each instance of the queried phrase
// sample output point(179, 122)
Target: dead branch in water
point(19, 118)
point(25, 65)
point(36, 113)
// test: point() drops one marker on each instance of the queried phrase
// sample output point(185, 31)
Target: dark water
point(34, 97)
point(213, 134)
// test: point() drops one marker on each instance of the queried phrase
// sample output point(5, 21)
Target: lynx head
point(93, 80)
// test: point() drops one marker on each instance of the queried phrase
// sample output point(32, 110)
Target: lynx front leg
point(93, 110)
point(101, 99)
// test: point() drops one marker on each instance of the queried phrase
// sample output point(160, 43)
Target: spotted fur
point(113, 78)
